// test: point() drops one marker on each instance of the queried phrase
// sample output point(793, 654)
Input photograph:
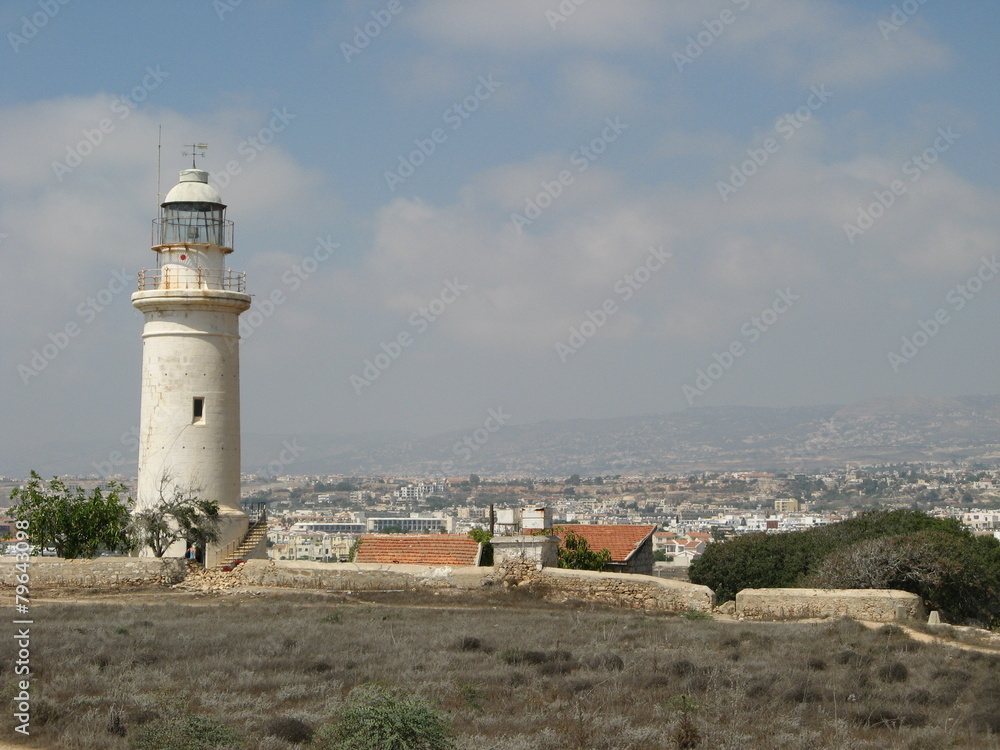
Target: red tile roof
point(418, 549)
point(620, 541)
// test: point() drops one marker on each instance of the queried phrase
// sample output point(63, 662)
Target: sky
point(559, 209)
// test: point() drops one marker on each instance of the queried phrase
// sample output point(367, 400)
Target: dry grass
point(509, 674)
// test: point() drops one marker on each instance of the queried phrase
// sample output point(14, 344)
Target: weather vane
point(197, 149)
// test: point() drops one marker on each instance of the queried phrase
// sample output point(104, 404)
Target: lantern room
point(193, 214)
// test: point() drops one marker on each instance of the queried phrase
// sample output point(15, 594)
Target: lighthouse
point(189, 425)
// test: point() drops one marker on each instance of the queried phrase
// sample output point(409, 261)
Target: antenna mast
point(159, 148)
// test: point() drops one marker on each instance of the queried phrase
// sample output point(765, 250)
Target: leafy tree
point(378, 718)
point(181, 516)
point(719, 534)
point(483, 536)
point(436, 502)
point(662, 556)
point(960, 576)
point(575, 552)
point(474, 480)
point(77, 524)
point(573, 480)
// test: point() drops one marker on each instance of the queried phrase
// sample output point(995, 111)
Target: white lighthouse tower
point(189, 429)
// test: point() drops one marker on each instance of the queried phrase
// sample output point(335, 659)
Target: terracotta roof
point(418, 549)
point(620, 541)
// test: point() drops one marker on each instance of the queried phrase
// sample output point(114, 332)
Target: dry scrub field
point(509, 672)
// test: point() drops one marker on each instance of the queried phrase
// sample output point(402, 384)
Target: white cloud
point(784, 228)
point(523, 26)
point(594, 85)
point(811, 41)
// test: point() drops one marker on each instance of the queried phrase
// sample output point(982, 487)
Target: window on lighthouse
point(198, 415)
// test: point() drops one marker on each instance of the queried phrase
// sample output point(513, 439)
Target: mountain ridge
point(800, 438)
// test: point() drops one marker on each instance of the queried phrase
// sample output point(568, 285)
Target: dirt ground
point(189, 597)
point(454, 600)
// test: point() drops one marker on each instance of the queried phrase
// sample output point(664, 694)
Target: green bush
point(184, 732)
point(938, 559)
point(377, 718)
point(483, 536)
point(575, 552)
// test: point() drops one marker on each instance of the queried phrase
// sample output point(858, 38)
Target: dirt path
point(922, 637)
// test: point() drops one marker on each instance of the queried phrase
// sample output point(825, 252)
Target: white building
point(981, 520)
point(424, 523)
point(310, 546)
point(418, 491)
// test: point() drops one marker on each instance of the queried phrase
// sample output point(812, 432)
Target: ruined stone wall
point(875, 605)
point(359, 576)
point(624, 590)
point(615, 589)
point(54, 572)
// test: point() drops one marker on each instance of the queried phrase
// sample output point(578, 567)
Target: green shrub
point(184, 732)
point(483, 537)
point(938, 559)
point(575, 552)
point(376, 718)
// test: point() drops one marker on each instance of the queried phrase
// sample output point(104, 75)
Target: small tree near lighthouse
point(180, 515)
point(70, 520)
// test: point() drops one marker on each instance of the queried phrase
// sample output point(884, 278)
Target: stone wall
point(875, 605)
point(615, 589)
point(50, 572)
point(626, 590)
point(359, 576)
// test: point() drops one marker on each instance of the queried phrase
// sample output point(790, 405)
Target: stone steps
point(253, 537)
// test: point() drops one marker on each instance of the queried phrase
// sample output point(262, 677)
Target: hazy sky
point(729, 201)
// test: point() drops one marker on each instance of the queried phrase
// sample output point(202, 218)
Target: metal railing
point(183, 277)
point(256, 511)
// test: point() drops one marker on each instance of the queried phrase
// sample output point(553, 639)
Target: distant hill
point(706, 438)
point(888, 429)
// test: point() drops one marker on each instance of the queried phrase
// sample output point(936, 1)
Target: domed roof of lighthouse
point(193, 188)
